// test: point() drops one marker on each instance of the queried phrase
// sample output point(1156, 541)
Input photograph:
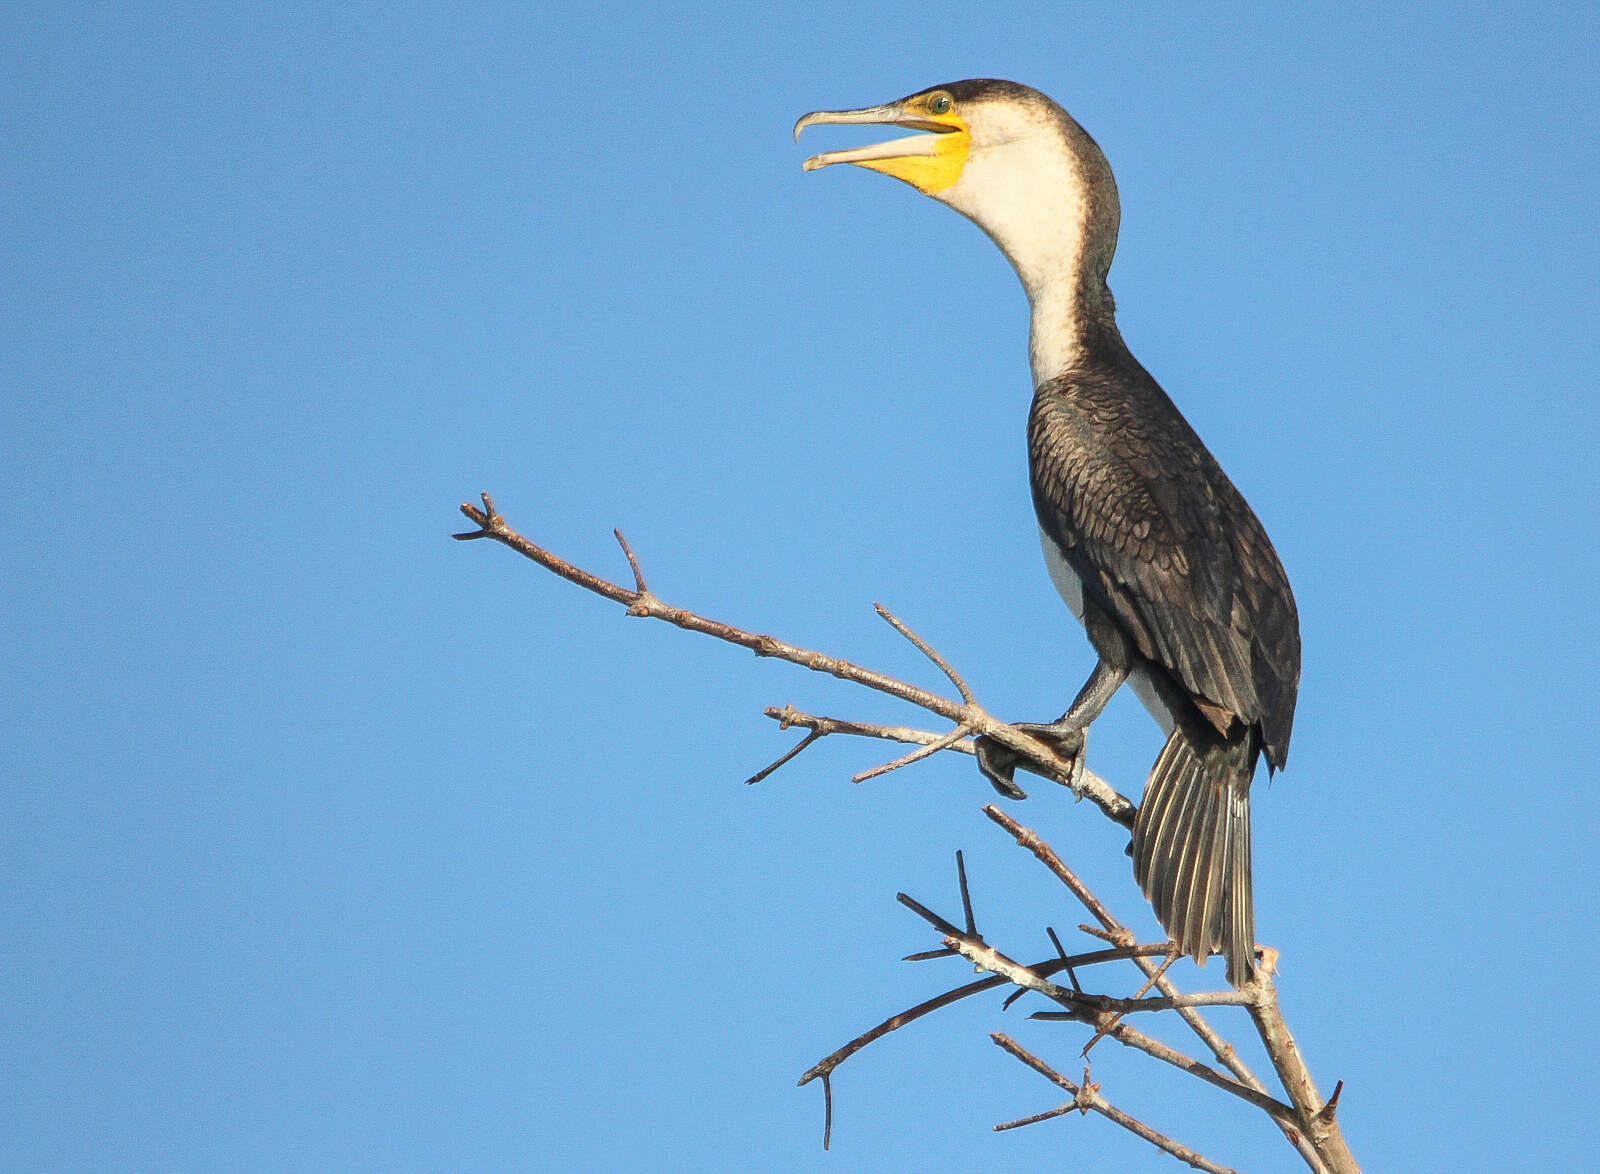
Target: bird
point(1179, 590)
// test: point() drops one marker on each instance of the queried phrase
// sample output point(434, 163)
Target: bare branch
point(1133, 1004)
point(1225, 1052)
point(826, 1065)
point(1087, 1097)
point(492, 525)
point(813, 736)
point(1082, 1007)
point(788, 716)
point(993, 982)
point(928, 915)
point(1030, 840)
point(1310, 1124)
point(1039, 756)
point(1316, 1116)
point(643, 603)
point(827, 1110)
point(944, 667)
point(1048, 1115)
point(1106, 1016)
point(1298, 1129)
point(1062, 961)
point(638, 576)
point(918, 755)
point(1172, 956)
point(966, 894)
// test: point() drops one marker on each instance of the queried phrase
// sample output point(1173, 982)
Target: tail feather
point(1241, 907)
point(1168, 806)
point(1205, 871)
point(1191, 855)
point(1191, 850)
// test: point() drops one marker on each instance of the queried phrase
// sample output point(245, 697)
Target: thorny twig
point(1086, 1097)
point(1104, 1012)
point(1225, 1052)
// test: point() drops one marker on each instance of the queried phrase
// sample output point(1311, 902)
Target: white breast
point(1062, 575)
point(1071, 588)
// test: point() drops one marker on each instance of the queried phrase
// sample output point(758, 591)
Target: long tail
point(1191, 850)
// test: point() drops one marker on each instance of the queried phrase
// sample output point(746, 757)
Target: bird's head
point(1006, 157)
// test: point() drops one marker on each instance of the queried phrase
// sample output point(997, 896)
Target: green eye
point(940, 104)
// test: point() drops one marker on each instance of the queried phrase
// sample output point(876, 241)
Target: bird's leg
point(1067, 730)
point(999, 763)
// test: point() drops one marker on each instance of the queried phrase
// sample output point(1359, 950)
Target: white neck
point(1028, 195)
point(1055, 338)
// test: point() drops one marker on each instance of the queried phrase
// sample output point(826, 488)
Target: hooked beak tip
point(804, 121)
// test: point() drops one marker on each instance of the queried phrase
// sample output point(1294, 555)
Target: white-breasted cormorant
point(1150, 544)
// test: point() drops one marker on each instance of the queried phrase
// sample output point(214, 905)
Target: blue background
point(329, 843)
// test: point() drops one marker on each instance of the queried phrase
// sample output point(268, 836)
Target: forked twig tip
point(486, 518)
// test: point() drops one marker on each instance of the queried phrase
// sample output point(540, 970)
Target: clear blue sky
point(328, 843)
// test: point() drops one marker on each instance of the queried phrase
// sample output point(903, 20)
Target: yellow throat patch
point(931, 172)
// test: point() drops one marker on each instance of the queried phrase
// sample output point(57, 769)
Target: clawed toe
point(998, 763)
point(1067, 743)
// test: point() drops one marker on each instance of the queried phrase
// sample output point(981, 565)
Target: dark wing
point(1165, 544)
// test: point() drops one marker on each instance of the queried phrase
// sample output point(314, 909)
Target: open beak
point(894, 114)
